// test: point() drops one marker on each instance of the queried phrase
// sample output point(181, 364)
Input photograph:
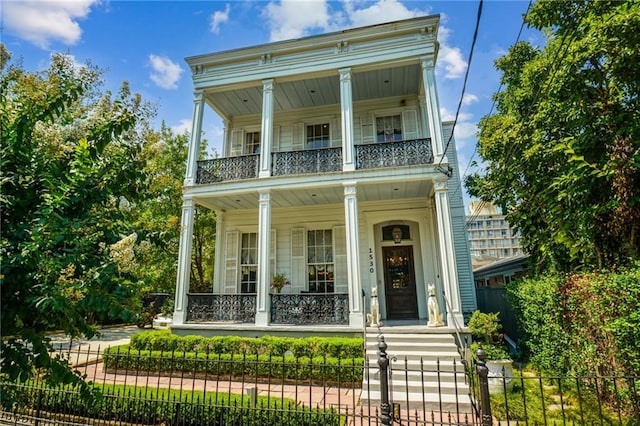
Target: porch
point(312, 161)
point(286, 309)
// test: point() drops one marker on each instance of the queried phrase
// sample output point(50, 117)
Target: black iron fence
point(156, 388)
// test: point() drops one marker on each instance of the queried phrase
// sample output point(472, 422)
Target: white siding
point(461, 242)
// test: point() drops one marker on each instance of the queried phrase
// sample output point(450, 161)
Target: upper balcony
point(315, 161)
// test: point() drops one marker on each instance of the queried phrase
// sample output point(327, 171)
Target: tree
point(69, 155)
point(562, 153)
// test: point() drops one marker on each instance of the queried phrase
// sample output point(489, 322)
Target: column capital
point(345, 73)
point(198, 96)
point(427, 63)
point(264, 195)
point(440, 186)
point(268, 84)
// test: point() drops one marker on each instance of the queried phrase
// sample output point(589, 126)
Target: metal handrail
point(457, 328)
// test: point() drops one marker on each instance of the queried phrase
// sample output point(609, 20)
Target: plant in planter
point(485, 329)
point(278, 282)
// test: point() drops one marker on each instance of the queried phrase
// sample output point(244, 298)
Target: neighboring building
point(336, 172)
point(490, 236)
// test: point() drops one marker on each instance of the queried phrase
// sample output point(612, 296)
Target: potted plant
point(486, 331)
point(278, 281)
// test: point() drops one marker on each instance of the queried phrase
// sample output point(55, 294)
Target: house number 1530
point(371, 270)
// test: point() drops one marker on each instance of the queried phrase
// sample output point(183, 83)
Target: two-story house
point(336, 172)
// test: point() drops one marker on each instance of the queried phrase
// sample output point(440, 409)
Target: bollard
point(383, 362)
point(252, 393)
point(483, 382)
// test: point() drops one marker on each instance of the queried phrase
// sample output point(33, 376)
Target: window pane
point(248, 265)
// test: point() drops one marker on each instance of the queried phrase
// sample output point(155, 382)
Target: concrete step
point(425, 370)
point(430, 401)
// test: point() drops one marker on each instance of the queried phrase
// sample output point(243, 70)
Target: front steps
point(425, 369)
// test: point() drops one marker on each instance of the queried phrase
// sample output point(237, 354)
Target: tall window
point(252, 143)
point(320, 261)
point(318, 136)
point(388, 128)
point(248, 263)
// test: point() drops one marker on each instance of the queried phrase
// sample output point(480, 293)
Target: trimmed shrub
point(164, 340)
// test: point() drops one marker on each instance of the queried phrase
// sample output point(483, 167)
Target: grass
point(553, 400)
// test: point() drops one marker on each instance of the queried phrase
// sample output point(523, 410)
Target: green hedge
point(335, 347)
point(348, 370)
point(163, 406)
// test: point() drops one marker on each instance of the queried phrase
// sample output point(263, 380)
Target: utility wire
point(466, 77)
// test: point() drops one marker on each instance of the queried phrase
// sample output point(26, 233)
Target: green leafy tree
point(157, 217)
point(69, 155)
point(562, 154)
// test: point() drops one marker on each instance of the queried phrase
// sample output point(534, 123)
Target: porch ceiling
point(318, 91)
point(317, 196)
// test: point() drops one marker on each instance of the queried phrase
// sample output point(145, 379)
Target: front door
point(400, 282)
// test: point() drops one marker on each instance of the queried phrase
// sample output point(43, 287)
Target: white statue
point(435, 317)
point(374, 317)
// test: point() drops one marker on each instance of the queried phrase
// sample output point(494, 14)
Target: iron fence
point(170, 388)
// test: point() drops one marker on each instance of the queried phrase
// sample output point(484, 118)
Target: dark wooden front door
point(400, 282)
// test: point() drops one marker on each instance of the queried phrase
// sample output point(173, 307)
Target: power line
point(466, 77)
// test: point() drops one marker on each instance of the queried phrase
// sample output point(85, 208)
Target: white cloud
point(468, 99)
point(166, 73)
point(42, 22)
point(465, 128)
point(183, 126)
point(218, 18)
point(289, 19)
point(449, 57)
point(379, 12)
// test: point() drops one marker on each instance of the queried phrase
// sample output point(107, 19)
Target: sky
point(145, 43)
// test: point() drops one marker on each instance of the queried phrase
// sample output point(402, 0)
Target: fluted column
point(263, 308)
point(266, 135)
point(433, 110)
point(346, 110)
point(194, 142)
point(356, 317)
point(184, 261)
point(449, 271)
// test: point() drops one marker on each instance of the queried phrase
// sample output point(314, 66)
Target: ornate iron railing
point(307, 161)
point(207, 307)
point(310, 308)
point(228, 168)
point(394, 154)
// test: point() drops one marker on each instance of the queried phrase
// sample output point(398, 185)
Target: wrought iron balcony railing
point(208, 307)
point(394, 154)
point(228, 168)
point(310, 308)
point(307, 161)
point(313, 161)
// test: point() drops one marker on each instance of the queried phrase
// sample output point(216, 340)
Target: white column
point(218, 261)
point(448, 255)
point(194, 142)
point(184, 261)
point(263, 307)
point(266, 135)
point(356, 316)
point(433, 111)
point(346, 110)
point(226, 145)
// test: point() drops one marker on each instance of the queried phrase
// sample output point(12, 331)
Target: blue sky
point(145, 43)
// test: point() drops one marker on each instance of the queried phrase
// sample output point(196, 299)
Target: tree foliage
point(562, 154)
point(68, 156)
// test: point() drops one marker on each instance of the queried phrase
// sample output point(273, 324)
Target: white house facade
point(336, 172)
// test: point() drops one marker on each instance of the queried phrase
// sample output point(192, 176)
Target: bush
point(164, 340)
point(165, 406)
point(583, 323)
point(320, 369)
